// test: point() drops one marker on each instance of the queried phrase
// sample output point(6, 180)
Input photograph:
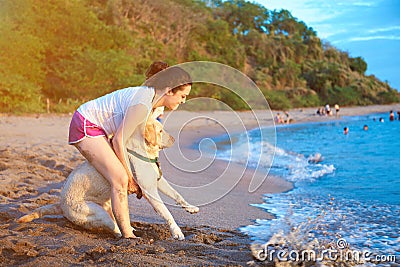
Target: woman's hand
point(134, 188)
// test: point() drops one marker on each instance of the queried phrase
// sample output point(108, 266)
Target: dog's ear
point(150, 134)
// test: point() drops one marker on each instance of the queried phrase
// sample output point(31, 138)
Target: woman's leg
point(99, 153)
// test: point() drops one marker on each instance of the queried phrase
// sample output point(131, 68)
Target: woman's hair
point(173, 77)
point(155, 67)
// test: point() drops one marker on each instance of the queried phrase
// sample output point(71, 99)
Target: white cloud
point(364, 4)
point(375, 37)
point(383, 33)
point(357, 3)
point(386, 29)
point(327, 30)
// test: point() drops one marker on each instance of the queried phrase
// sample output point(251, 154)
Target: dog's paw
point(117, 235)
point(191, 209)
point(116, 231)
point(176, 232)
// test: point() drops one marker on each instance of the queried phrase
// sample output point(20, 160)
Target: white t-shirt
point(109, 110)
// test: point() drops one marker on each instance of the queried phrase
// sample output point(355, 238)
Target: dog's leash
point(146, 159)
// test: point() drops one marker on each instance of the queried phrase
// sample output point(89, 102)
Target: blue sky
point(366, 28)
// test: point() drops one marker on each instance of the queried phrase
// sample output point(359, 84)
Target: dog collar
point(133, 153)
point(155, 160)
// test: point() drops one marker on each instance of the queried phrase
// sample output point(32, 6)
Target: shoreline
point(35, 161)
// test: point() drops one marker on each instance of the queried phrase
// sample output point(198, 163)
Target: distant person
point(365, 127)
point(321, 111)
point(287, 117)
point(391, 115)
point(381, 119)
point(278, 118)
point(316, 158)
point(345, 130)
point(398, 115)
point(327, 109)
point(337, 109)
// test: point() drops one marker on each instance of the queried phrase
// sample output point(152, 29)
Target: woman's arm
point(135, 115)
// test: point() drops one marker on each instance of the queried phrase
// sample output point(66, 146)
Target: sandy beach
point(35, 160)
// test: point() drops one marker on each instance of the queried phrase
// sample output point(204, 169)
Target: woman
point(117, 115)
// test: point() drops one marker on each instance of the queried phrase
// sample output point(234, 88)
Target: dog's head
point(156, 137)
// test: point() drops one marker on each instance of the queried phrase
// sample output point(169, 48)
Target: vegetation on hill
point(71, 51)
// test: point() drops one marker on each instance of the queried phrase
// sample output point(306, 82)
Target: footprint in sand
point(3, 166)
point(49, 163)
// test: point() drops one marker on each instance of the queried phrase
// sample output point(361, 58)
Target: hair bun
point(156, 67)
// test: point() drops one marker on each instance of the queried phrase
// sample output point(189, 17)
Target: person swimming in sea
point(391, 115)
point(316, 158)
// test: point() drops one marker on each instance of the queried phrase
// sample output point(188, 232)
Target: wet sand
point(35, 161)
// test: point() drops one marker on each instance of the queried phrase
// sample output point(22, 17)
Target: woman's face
point(173, 100)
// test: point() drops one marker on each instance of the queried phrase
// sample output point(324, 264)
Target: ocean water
point(352, 195)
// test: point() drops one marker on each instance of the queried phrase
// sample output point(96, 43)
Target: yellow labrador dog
point(85, 198)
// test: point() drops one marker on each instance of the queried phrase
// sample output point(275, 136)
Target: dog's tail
point(51, 209)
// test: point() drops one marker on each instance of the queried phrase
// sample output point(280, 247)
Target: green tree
point(358, 64)
point(22, 70)
point(243, 16)
point(221, 45)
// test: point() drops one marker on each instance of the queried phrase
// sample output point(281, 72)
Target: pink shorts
point(81, 128)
